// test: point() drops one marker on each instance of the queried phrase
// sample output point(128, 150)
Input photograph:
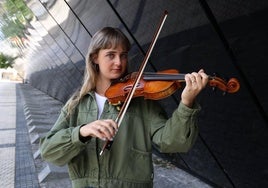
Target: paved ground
point(26, 114)
point(16, 160)
point(7, 134)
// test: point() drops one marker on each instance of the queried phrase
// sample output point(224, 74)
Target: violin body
point(154, 90)
point(159, 85)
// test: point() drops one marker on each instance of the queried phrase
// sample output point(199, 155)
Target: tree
point(6, 61)
point(15, 15)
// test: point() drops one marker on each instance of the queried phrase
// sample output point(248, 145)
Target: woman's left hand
point(195, 82)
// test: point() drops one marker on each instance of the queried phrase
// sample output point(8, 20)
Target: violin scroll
point(231, 86)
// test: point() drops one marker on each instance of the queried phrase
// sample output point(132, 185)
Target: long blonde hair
point(105, 38)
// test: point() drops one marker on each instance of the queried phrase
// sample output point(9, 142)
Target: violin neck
point(162, 76)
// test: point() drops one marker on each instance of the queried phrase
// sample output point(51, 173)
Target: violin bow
point(124, 108)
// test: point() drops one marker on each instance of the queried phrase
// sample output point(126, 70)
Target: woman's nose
point(118, 60)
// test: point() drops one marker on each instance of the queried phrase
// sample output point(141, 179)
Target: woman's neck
point(102, 86)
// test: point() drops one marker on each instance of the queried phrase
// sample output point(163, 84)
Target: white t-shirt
point(100, 102)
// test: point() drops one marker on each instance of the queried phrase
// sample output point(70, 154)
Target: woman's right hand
point(103, 129)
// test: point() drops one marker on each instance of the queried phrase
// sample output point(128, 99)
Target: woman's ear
point(94, 61)
point(95, 58)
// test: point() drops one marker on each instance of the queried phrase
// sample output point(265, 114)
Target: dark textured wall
point(231, 149)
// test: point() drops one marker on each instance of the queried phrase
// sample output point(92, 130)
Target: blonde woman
point(87, 121)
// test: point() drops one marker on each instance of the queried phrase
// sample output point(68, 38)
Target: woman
point(87, 121)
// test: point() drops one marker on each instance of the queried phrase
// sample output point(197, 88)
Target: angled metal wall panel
point(68, 61)
point(230, 146)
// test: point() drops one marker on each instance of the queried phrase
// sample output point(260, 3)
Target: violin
point(160, 85)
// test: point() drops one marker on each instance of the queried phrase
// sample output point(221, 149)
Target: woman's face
point(112, 63)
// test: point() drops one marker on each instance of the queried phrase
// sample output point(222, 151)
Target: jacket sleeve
point(62, 142)
point(179, 132)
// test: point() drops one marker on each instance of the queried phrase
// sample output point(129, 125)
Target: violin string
point(163, 76)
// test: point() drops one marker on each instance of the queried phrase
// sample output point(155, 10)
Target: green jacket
point(128, 164)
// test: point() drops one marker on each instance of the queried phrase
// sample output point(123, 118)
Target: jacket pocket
point(140, 167)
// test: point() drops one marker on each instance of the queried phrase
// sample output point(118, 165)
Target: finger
point(105, 133)
point(112, 123)
point(191, 77)
point(108, 128)
point(204, 77)
point(111, 126)
point(188, 79)
point(97, 133)
point(92, 129)
point(197, 77)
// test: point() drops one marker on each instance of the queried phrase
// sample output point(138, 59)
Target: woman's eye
point(124, 56)
point(111, 56)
